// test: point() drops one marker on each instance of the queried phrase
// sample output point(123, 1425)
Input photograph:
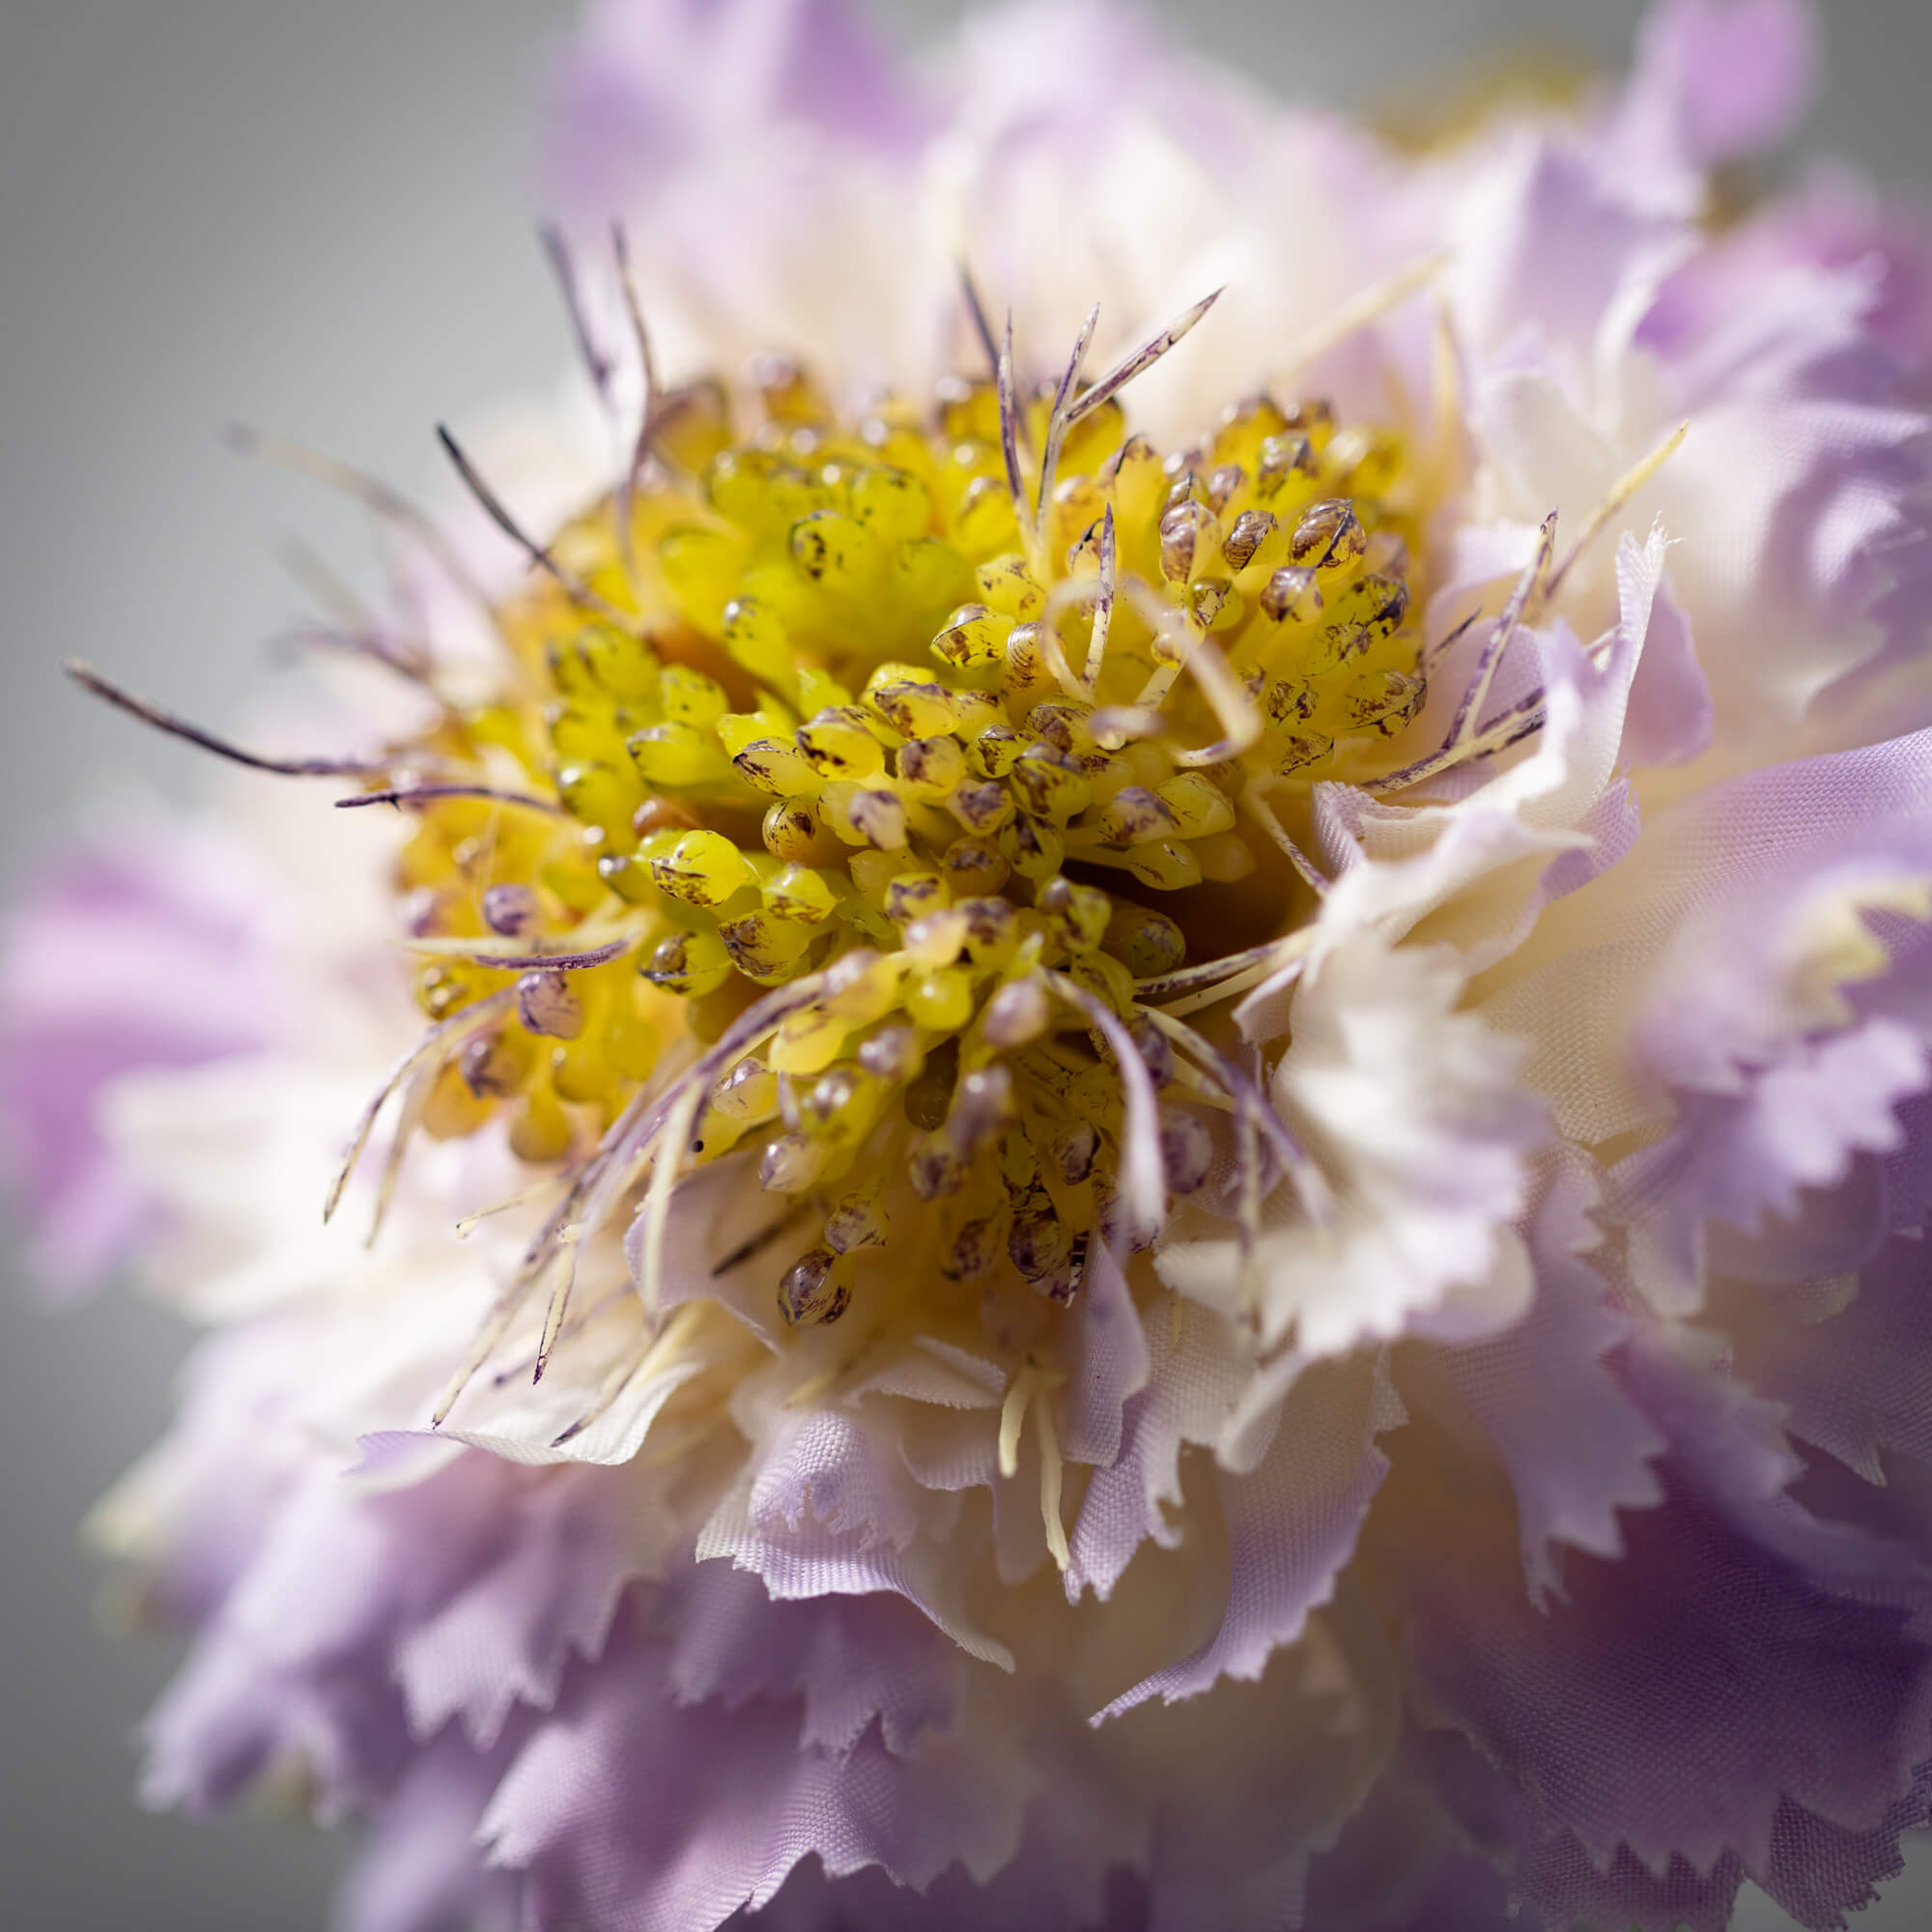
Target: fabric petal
point(1578, 1450)
point(1292, 1525)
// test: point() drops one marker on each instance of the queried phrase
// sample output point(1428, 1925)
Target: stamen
point(1470, 711)
point(492, 1330)
point(567, 580)
point(1264, 814)
point(1370, 305)
point(1239, 718)
point(370, 644)
point(687, 1101)
point(1142, 358)
point(647, 407)
point(356, 629)
point(1276, 957)
point(1057, 427)
point(919, 761)
point(1009, 427)
point(548, 1007)
point(647, 362)
point(1465, 740)
point(415, 1101)
point(1142, 1181)
point(1103, 607)
point(1605, 513)
point(427, 794)
point(1054, 652)
point(758, 1242)
point(1013, 1418)
point(546, 960)
point(595, 362)
point(470, 1223)
point(558, 1306)
point(976, 310)
point(437, 1043)
point(318, 577)
point(93, 681)
point(576, 1325)
point(654, 1351)
point(1316, 1200)
point(1207, 972)
point(1051, 1476)
point(1447, 642)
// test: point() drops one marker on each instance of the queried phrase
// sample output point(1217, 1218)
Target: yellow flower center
point(979, 763)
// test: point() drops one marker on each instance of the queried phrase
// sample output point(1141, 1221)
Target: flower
point(1170, 1158)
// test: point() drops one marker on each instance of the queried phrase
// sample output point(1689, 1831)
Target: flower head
point(1162, 1154)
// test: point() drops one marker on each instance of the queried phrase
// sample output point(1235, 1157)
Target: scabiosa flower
point(1164, 1152)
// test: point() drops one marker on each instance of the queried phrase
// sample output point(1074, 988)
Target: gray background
point(315, 216)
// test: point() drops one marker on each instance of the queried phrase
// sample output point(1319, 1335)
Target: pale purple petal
point(418, 1867)
point(1857, 1382)
point(503, 1637)
point(1291, 1525)
point(1578, 1450)
point(647, 89)
point(1671, 717)
point(1106, 1362)
point(852, 1660)
point(1718, 79)
point(1832, 220)
point(1790, 1019)
point(637, 1815)
point(829, 1506)
point(1743, 1659)
point(1554, 255)
point(142, 951)
point(1197, 1378)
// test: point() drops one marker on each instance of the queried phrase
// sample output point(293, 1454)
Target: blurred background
point(318, 219)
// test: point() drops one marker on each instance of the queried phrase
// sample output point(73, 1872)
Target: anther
point(891, 1054)
point(1018, 1013)
point(1073, 1152)
point(1252, 528)
point(510, 910)
point(814, 1290)
point(974, 1250)
point(491, 1067)
point(982, 1102)
point(1291, 596)
point(1157, 1055)
point(1330, 535)
point(1186, 1149)
point(935, 1170)
point(791, 1164)
point(548, 1003)
point(1041, 1243)
point(1189, 534)
point(857, 1222)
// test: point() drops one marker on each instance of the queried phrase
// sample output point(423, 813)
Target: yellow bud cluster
point(839, 703)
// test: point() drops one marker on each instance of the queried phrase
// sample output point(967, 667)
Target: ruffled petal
point(828, 1506)
point(1745, 1672)
point(630, 1811)
point(1414, 1115)
point(1195, 1381)
point(1718, 79)
point(1291, 1525)
point(1545, 1396)
point(143, 951)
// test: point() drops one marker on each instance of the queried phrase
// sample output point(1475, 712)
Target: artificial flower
point(1120, 1043)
